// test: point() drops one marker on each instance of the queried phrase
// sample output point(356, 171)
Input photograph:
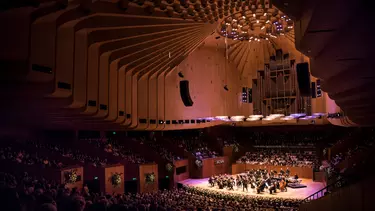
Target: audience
point(163, 152)
point(196, 146)
point(21, 156)
point(280, 158)
point(115, 148)
point(26, 193)
point(364, 140)
point(230, 143)
point(282, 139)
point(72, 154)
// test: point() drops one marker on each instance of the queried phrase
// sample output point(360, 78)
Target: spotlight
point(180, 74)
point(226, 88)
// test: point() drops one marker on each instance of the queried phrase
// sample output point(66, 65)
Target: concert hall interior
point(186, 105)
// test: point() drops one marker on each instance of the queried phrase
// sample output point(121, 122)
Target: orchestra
point(258, 179)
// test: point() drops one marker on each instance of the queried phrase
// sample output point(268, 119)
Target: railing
point(339, 183)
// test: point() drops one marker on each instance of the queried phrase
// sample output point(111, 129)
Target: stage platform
point(298, 193)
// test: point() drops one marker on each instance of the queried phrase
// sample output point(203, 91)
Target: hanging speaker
point(185, 94)
point(303, 78)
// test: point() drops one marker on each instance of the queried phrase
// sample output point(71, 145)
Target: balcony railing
point(338, 183)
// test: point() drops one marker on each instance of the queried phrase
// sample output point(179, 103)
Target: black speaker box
point(313, 90)
point(303, 78)
point(185, 94)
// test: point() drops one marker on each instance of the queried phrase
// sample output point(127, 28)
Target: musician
point(287, 172)
point(296, 177)
point(239, 181)
point(244, 184)
point(261, 186)
point(283, 185)
point(211, 181)
point(282, 172)
point(230, 183)
point(252, 182)
point(272, 187)
point(220, 183)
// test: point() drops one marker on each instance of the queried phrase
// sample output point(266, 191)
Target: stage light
point(237, 118)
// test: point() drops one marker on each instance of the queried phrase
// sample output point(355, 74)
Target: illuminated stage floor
point(299, 193)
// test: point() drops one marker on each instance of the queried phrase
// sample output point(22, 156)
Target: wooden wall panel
point(207, 72)
point(109, 171)
point(183, 176)
point(79, 170)
point(209, 167)
point(228, 151)
point(146, 169)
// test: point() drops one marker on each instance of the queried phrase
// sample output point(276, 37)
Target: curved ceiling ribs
point(104, 64)
point(102, 69)
point(337, 38)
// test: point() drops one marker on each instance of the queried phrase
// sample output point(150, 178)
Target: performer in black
point(244, 184)
point(272, 187)
point(238, 181)
point(230, 183)
point(287, 172)
point(211, 181)
point(282, 172)
point(261, 186)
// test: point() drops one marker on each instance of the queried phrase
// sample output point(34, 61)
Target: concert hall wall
point(182, 176)
point(228, 151)
point(104, 175)
point(79, 172)
point(40, 172)
point(302, 172)
point(211, 166)
point(208, 72)
point(147, 169)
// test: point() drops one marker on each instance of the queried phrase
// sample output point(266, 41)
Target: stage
point(298, 193)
